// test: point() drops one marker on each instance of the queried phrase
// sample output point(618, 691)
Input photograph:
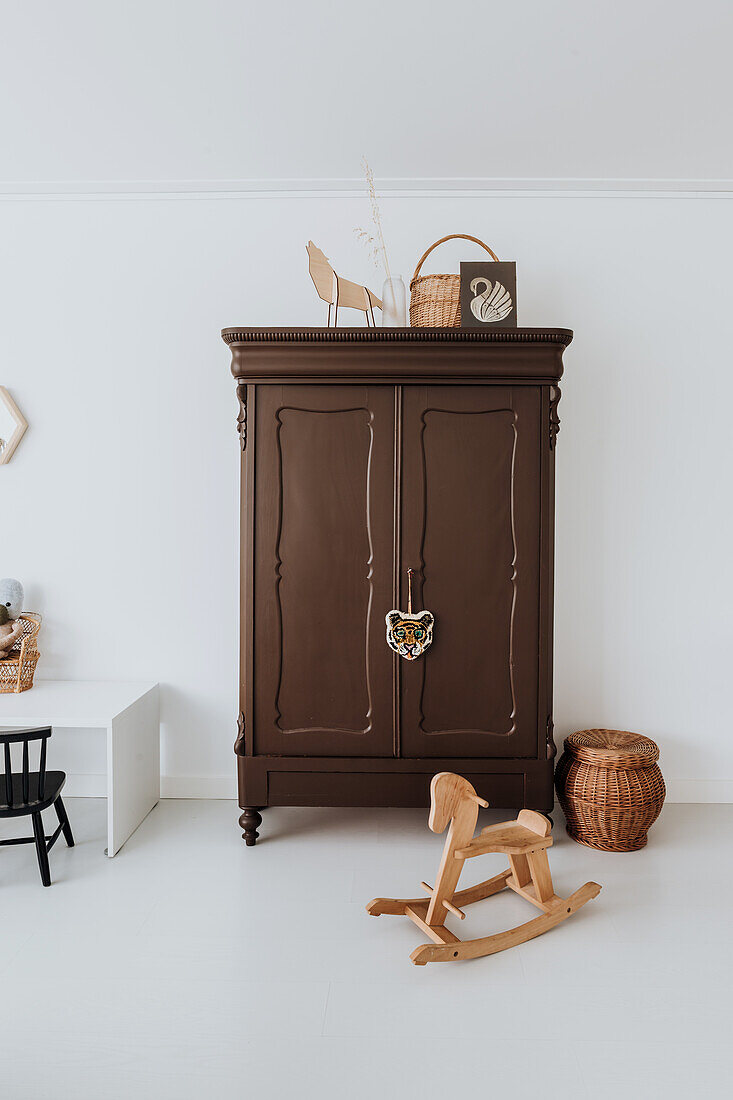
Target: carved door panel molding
point(470, 530)
point(324, 553)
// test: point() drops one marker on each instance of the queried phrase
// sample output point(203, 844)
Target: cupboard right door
point(471, 496)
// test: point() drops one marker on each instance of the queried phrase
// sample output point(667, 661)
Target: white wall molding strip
point(707, 791)
point(193, 786)
point(699, 790)
point(86, 786)
point(171, 786)
point(348, 188)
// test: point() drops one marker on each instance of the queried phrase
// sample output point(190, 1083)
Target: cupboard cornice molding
point(397, 356)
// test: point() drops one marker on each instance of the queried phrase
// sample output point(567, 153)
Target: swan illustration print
point(494, 303)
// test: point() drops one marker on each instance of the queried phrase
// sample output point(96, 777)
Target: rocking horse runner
point(525, 841)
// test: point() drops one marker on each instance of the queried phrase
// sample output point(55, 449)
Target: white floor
point(192, 966)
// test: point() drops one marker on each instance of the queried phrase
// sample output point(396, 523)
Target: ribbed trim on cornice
point(230, 336)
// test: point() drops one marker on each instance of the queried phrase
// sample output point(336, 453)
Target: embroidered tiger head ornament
point(409, 635)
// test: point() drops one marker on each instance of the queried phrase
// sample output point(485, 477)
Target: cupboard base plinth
point(301, 781)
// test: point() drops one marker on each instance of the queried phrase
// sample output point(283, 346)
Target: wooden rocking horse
point(525, 841)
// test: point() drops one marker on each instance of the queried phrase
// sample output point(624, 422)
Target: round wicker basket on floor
point(610, 788)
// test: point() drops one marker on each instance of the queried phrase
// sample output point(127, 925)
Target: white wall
point(120, 505)
point(241, 89)
point(119, 509)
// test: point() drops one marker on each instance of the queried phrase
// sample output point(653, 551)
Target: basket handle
point(450, 237)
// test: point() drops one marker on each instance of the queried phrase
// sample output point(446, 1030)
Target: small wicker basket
point(18, 668)
point(610, 788)
point(435, 300)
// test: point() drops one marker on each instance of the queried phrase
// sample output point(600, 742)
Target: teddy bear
point(11, 605)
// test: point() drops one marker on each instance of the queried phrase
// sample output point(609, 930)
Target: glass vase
point(394, 303)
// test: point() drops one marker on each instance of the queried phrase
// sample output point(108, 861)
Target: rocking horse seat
point(530, 832)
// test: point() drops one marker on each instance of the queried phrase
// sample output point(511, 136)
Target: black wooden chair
point(26, 793)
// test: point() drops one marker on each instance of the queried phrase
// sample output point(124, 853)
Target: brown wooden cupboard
point(366, 452)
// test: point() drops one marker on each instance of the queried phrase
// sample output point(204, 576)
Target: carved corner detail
point(551, 746)
point(242, 417)
point(555, 396)
point(239, 743)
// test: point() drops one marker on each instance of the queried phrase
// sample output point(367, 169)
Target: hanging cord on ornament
point(409, 634)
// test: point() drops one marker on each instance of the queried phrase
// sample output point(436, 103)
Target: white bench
point(130, 714)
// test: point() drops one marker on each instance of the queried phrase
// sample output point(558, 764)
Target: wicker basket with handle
point(610, 788)
point(435, 300)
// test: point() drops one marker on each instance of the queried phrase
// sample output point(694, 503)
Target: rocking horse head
point(449, 792)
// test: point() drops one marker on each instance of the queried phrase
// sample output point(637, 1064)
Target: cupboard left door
point(323, 565)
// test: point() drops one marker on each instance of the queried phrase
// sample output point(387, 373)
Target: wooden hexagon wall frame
point(13, 426)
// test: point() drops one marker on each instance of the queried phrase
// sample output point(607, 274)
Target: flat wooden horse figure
point(525, 841)
point(335, 290)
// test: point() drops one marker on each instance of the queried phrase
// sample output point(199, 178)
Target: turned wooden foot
point(250, 820)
